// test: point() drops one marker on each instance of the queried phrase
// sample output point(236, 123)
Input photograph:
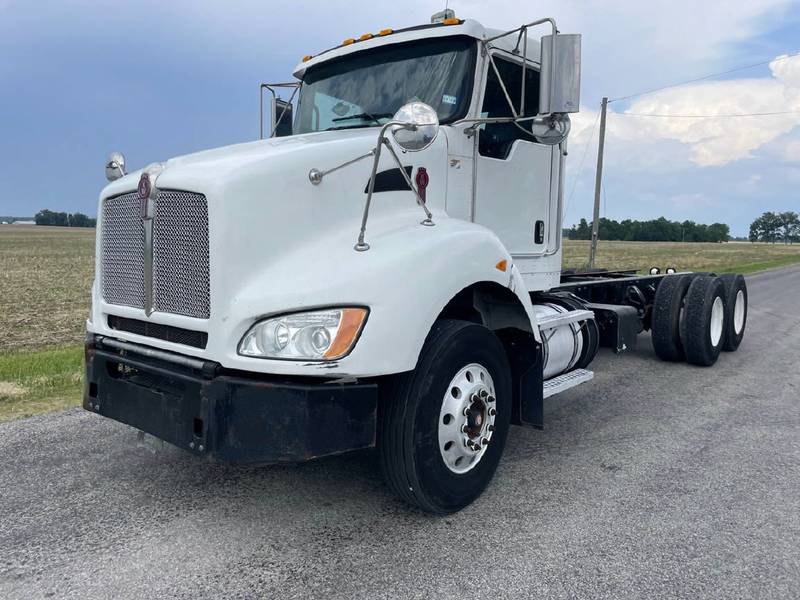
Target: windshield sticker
point(448, 99)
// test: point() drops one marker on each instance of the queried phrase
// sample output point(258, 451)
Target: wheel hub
point(717, 319)
point(467, 417)
point(738, 312)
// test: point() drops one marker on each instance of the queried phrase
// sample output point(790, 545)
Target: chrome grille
point(180, 254)
point(180, 274)
point(123, 251)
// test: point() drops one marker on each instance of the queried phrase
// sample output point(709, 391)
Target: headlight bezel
point(263, 321)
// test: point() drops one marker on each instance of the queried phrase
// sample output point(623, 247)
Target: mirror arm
point(283, 112)
point(315, 175)
point(503, 86)
point(361, 245)
point(523, 33)
point(428, 215)
point(270, 86)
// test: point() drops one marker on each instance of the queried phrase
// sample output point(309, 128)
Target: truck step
point(562, 383)
point(559, 319)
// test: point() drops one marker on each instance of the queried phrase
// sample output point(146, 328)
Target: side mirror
point(560, 89)
point(280, 117)
point(420, 126)
point(115, 166)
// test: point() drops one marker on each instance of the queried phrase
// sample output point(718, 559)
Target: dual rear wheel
point(697, 315)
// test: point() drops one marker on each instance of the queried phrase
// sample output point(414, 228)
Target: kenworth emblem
point(144, 186)
point(143, 190)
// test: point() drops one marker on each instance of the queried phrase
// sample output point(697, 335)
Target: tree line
point(62, 219)
point(656, 230)
point(776, 227)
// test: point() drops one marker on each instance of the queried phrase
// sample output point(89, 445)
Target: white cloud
point(717, 141)
point(708, 141)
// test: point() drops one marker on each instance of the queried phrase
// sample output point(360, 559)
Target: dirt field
point(45, 282)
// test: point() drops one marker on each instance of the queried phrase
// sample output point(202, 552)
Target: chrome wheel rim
point(738, 313)
point(467, 418)
point(717, 319)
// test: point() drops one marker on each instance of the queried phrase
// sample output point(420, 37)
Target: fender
point(406, 279)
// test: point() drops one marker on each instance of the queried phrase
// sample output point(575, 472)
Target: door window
point(496, 139)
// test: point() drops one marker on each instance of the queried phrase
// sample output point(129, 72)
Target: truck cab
point(383, 270)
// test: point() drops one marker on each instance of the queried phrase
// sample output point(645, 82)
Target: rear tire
point(736, 315)
point(411, 448)
point(703, 325)
point(667, 307)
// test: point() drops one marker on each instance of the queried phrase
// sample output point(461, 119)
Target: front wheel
point(444, 425)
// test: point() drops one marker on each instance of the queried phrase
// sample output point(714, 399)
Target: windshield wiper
point(364, 115)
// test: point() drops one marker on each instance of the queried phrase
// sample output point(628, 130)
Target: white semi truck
point(384, 270)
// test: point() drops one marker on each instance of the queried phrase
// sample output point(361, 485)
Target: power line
point(704, 77)
point(580, 168)
point(719, 116)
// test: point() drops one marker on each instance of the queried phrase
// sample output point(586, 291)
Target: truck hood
point(221, 162)
point(268, 222)
point(237, 155)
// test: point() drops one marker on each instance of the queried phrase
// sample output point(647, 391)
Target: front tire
point(426, 458)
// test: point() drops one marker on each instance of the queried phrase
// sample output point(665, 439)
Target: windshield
point(366, 88)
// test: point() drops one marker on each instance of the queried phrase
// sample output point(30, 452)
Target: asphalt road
point(655, 480)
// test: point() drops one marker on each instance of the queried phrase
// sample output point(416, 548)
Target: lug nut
point(465, 412)
point(485, 441)
point(492, 412)
point(463, 429)
point(490, 399)
point(483, 393)
point(491, 428)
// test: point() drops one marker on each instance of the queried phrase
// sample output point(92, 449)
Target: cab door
point(514, 176)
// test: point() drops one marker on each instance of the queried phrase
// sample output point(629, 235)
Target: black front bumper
point(232, 417)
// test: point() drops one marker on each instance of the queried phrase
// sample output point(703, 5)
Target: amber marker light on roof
point(307, 58)
point(386, 31)
point(502, 265)
point(366, 36)
point(451, 21)
point(348, 41)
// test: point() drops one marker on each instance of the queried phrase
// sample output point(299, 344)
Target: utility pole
point(598, 182)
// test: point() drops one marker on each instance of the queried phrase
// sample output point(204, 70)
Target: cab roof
point(466, 27)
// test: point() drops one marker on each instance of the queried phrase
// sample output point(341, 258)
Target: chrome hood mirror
point(115, 166)
point(420, 126)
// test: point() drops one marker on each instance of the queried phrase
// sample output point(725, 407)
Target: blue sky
point(159, 79)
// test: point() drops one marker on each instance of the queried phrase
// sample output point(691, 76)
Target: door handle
point(538, 232)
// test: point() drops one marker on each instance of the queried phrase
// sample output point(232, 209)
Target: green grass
point(37, 381)
point(732, 257)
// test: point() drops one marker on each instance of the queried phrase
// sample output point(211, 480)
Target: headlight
point(314, 335)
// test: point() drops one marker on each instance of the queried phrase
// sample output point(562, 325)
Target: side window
point(496, 139)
